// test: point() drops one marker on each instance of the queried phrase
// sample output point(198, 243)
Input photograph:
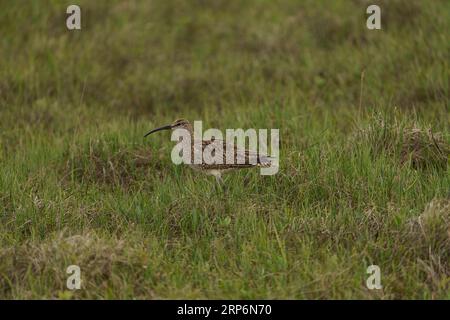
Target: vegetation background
point(364, 124)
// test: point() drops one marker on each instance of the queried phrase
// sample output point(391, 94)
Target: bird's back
point(214, 156)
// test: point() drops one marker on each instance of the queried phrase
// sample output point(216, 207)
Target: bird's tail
point(265, 161)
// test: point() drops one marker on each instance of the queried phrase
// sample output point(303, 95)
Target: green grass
point(364, 175)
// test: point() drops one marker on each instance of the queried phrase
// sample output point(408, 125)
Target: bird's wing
point(237, 158)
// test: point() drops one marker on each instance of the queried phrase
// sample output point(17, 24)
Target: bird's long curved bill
point(158, 129)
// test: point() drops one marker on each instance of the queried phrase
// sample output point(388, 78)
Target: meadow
point(364, 149)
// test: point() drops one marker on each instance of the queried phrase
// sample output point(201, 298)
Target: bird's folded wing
point(220, 152)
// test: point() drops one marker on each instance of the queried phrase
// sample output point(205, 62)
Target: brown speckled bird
point(249, 158)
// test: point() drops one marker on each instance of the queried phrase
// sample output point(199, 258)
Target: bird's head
point(177, 124)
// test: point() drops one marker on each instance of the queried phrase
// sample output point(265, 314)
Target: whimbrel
point(248, 158)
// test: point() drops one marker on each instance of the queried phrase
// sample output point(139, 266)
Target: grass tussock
point(429, 235)
point(408, 144)
point(102, 261)
point(106, 162)
point(433, 227)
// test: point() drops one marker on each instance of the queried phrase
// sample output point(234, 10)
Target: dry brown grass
point(429, 237)
point(409, 144)
point(105, 162)
point(424, 149)
point(102, 261)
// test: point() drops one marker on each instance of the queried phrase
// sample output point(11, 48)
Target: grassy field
point(364, 126)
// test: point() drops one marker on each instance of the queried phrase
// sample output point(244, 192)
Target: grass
point(364, 175)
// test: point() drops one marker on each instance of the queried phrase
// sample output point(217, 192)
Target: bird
point(251, 158)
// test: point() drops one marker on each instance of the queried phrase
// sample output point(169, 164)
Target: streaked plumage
point(251, 159)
